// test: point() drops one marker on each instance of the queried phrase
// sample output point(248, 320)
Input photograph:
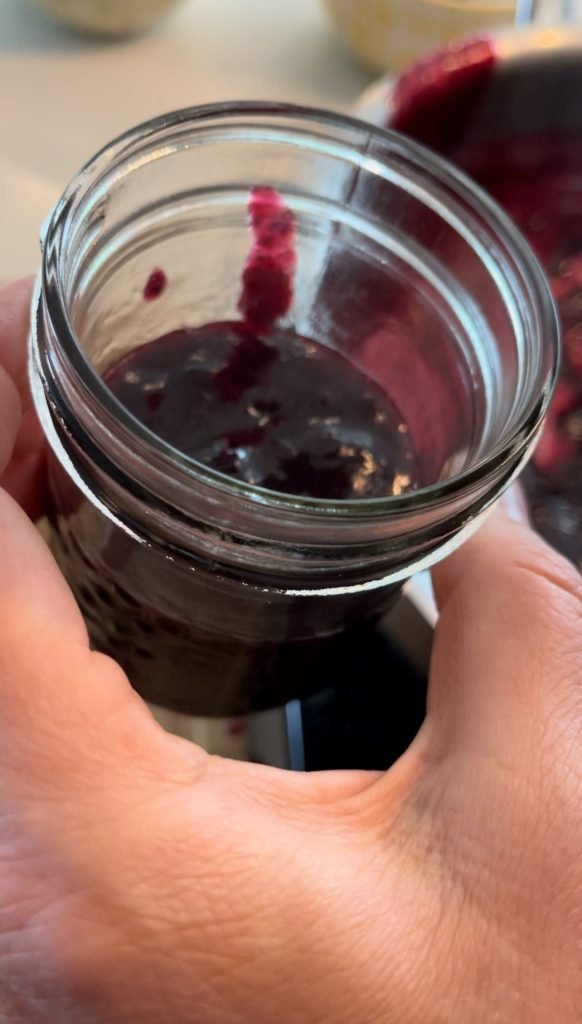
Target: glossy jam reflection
point(283, 413)
point(518, 132)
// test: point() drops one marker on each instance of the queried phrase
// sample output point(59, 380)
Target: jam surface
point(283, 413)
point(519, 135)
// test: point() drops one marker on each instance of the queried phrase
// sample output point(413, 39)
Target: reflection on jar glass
point(231, 570)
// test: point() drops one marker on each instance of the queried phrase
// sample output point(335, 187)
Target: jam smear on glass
point(155, 285)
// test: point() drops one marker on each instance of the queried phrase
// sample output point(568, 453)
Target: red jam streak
point(155, 284)
point(519, 135)
point(259, 402)
point(267, 281)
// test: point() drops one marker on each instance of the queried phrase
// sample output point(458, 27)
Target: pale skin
point(144, 882)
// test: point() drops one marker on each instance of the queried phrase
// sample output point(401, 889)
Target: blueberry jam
point(517, 130)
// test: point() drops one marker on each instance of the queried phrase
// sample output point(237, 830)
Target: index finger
point(22, 445)
point(14, 318)
point(508, 646)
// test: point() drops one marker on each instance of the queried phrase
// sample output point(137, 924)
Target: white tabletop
point(64, 96)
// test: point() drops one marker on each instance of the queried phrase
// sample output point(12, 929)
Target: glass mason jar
point(219, 597)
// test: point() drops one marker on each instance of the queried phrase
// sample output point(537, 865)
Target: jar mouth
point(423, 168)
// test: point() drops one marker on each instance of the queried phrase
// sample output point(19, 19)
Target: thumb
point(61, 705)
point(11, 324)
point(68, 716)
point(21, 443)
point(11, 412)
point(508, 647)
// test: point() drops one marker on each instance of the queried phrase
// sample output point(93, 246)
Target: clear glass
point(218, 597)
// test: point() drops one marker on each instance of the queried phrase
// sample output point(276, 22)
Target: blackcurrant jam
point(516, 128)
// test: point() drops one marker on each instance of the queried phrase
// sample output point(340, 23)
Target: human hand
point(142, 880)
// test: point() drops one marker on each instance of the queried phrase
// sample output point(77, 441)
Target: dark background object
point(370, 720)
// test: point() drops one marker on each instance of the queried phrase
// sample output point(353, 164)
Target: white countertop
point(63, 96)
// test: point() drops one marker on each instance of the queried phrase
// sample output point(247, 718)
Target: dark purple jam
point(517, 130)
point(282, 412)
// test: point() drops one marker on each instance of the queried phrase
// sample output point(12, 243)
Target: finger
point(10, 416)
point(69, 720)
point(77, 743)
point(25, 475)
point(508, 646)
point(14, 320)
point(22, 450)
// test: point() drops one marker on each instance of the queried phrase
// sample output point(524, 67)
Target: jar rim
point(432, 168)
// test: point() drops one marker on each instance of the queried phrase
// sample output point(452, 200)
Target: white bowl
point(107, 17)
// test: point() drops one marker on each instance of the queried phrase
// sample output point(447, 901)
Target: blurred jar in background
point(107, 17)
point(389, 34)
